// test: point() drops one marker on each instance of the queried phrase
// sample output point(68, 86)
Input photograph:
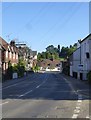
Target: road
point(45, 95)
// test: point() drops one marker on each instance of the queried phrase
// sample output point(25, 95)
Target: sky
point(40, 24)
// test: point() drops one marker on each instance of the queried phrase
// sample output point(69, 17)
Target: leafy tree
point(50, 48)
point(21, 67)
point(55, 53)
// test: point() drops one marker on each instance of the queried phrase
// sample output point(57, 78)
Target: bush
point(89, 77)
point(9, 72)
point(15, 68)
point(36, 68)
point(21, 70)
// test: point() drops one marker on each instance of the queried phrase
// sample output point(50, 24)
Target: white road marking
point(32, 89)
point(12, 85)
point(20, 82)
point(87, 116)
point(76, 111)
point(78, 107)
point(25, 93)
point(79, 101)
point(75, 116)
point(70, 85)
point(79, 97)
point(4, 103)
point(78, 104)
point(37, 86)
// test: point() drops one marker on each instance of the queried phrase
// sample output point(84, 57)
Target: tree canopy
point(55, 53)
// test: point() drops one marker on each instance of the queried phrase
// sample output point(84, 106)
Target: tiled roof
point(4, 44)
point(86, 38)
point(46, 62)
point(34, 53)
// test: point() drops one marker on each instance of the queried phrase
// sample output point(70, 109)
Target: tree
point(50, 48)
point(58, 48)
point(39, 56)
point(21, 67)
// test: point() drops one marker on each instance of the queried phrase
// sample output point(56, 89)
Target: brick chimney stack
point(12, 43)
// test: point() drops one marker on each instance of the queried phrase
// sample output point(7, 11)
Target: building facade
point(80, 60)
point(27, 55)
point(85, 47)
point(9, 53)
point(74, 63)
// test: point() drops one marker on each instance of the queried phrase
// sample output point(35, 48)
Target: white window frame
point(6, 54)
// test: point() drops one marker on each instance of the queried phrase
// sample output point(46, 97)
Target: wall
point(86, 47)
point(76, 60)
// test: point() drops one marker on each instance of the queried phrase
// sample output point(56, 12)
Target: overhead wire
point(66, 21)
point(58, 22)
point(34, 17)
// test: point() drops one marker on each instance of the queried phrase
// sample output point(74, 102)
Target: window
point(16, 56)
point(87, 55)
point(48, 64)
point(6, 54)
point(10, 54)
point(57, 65)
point(13, 55)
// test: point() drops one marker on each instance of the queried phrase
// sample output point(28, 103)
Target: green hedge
point(89, 77)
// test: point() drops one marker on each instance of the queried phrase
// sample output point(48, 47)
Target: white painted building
point(74, 63)
point(80, 60)
point(85, 57)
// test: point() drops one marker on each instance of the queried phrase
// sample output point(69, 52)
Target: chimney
point(78, 43)
point(12, 43)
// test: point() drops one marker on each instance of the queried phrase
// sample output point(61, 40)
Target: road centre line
point(20, 82)
point(25, 93)
point(22, 94)
point(12, 85)
point(33, 89)
point(37, 86)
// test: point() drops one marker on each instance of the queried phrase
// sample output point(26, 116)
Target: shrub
point(15, 68)
point(89, 77)
point(36, 68)
point(21, 68)
point(9, 71)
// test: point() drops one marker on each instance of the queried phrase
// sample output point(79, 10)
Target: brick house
point(29, 56)
point(47, 64)
point(9, 52)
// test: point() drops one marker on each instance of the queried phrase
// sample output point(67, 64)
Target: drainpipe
point(79, 42)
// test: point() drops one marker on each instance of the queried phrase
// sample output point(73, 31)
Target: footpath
point(81, 86)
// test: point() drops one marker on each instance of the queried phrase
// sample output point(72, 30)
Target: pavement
point(45, 95)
